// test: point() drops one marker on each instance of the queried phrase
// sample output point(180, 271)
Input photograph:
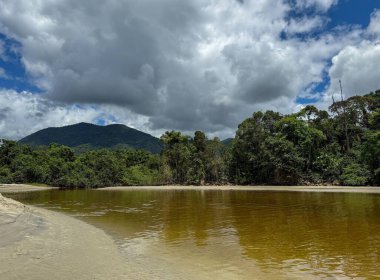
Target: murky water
point(233, 234)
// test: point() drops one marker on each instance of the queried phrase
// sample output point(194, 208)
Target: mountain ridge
point(94, 136)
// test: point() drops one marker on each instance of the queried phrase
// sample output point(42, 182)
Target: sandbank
point(14, 188)
point(40, 244)
point(340, 189)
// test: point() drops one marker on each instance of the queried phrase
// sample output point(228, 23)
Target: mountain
point(85, 136)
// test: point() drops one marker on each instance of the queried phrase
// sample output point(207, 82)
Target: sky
point(159, 65)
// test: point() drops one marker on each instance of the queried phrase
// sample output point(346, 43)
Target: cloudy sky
point(189, 65)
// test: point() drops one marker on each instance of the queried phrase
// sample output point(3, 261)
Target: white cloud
point(356, 64)
point(305, 24)
point(322, 5)
point(25, 113)
point(170, 64)
point(374, 25)
point(358, 69)
point(2, 73)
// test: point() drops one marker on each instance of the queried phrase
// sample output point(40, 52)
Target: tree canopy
point(312, 146)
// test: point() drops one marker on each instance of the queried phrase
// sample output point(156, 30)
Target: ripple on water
point(234, 234)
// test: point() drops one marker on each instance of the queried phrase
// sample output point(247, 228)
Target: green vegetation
point(309, 147)
point(83, 137)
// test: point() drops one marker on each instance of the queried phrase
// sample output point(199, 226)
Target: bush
point(5, 175)
point(355, 174)
point(139, 175)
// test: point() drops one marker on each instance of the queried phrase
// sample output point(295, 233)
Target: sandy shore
point(13, 188)
point(41, 244)
point(254, 188)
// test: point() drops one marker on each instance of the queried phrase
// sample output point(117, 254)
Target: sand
point(41, 244)
point(254, 188)
point(13, 188)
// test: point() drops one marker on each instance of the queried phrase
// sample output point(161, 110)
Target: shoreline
point(15, 188)
point(37, 243)
point(337, 189)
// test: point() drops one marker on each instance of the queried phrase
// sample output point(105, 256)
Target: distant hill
point(86, 136)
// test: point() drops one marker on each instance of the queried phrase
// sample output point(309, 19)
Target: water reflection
point(321, 234)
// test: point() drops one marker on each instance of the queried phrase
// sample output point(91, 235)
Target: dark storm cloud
point(168, 64)
point(121, 53)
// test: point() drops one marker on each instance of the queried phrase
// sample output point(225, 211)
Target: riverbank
point(41, 244)
point(253, 188)
point(14, 188)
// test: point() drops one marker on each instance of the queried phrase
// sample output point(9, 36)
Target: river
point(233, 234)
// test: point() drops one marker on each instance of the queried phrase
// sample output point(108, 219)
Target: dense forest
point(341, 146)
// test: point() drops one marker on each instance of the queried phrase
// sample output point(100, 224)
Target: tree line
point(340, 146)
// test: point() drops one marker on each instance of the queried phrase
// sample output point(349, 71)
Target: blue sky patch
point(352, 12)
point(11, 61)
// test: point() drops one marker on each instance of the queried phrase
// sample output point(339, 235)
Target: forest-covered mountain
point(86, 136)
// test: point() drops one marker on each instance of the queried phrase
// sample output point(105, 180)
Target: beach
point(14, 188)
point(41, 244)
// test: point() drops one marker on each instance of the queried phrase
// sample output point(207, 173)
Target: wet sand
point(14, 188)
point(41, 244)
point(254, 188)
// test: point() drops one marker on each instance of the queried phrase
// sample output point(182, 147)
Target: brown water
point(182, 234)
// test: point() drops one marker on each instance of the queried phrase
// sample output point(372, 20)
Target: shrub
point(355, 174)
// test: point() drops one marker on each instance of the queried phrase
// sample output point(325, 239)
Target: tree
point(305, 137)
point(177, 151)
point(252, 161)
point(371, 154)
point(217, 157)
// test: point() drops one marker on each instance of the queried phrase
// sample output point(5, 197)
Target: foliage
point(308, 147)
point(355, 175)
point(139, 175)
point(59, 166)
point(328, 162)
point(371, 154)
